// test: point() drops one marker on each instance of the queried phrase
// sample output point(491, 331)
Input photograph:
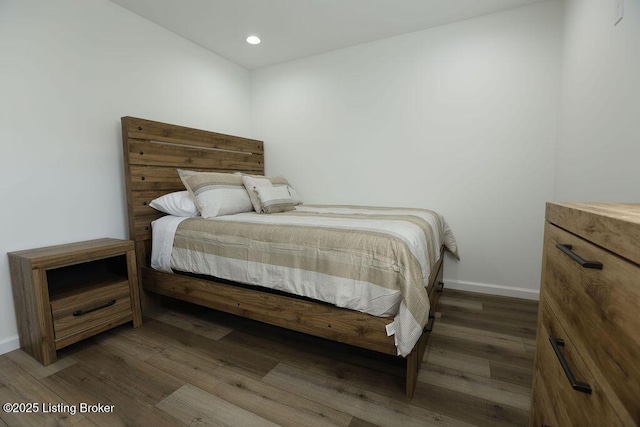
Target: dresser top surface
point(628, 212)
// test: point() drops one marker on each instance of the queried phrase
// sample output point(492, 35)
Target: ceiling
point(292, 29)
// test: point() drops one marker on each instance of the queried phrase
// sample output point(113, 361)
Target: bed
point(153, 152)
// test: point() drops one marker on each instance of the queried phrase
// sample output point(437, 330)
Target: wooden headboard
point(153, 151)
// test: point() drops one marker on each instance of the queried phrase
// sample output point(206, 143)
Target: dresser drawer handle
point(83, 312)
point(556, 343)
point(567, 249)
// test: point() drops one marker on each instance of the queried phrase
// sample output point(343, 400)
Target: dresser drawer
point(599, 309)
point(567, 405)
point(81, 311)
point(542, 410)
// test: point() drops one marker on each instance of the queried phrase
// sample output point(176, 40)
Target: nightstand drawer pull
point(83, 312)
point(556, 343)
point(567, 249)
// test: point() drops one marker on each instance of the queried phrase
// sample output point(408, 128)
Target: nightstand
point(64, 294)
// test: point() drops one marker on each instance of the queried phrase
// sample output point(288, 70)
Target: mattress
point(371, 259)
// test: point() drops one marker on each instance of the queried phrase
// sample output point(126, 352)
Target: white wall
point(599, 143)
point(69, 70)
point(461, 119)
point(475, 105)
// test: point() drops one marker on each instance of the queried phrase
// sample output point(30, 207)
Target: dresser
point(587, 365)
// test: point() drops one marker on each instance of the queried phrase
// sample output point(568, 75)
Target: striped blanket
point(375, 260)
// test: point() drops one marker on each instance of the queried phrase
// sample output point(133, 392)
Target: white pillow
point(274, 199)
point(178, 203)
point(215, 193)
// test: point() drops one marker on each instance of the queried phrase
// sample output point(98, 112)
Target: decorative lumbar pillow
point(216, 194)
point(276, 181)
point(274, 199)
point(294, 196)
point(178, 203)
point(251, 183)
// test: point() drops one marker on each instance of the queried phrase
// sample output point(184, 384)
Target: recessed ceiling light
point(253, 40)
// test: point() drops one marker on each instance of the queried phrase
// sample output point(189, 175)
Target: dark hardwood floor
point(191, 366)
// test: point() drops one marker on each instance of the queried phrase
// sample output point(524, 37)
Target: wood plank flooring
point(192, 366)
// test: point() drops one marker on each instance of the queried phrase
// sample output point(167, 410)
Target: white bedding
point(347, 292)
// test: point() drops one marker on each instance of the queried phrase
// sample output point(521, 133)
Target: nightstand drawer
point(599, 309)
point(570, 405)
point(84, 310)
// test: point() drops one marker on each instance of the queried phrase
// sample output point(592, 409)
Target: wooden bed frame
point(152, 153)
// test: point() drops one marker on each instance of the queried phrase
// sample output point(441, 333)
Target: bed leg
point(414, 362)
point(413, 365)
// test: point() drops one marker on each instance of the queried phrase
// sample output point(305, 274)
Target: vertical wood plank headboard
point(153, 151)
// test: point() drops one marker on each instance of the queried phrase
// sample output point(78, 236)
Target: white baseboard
point(9, 344)
point(485, 288)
